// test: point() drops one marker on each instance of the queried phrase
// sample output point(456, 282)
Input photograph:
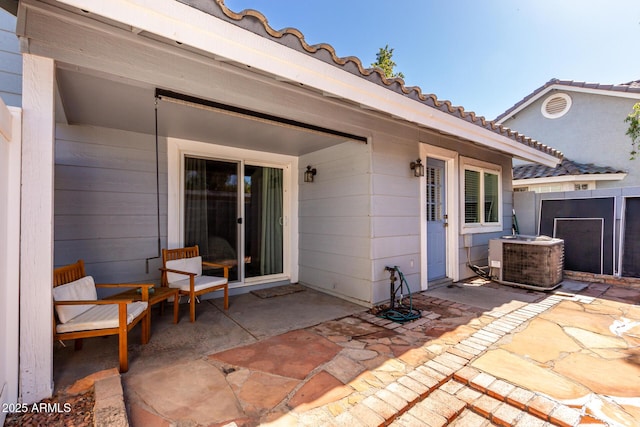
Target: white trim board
point(451, 159)
point(178, 148)
point(570, 178)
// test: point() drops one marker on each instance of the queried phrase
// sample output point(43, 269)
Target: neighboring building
point(585, 121)
point(236, 113)
point(568, 176)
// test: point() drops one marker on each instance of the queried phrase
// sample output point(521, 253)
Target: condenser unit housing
point(534, 262)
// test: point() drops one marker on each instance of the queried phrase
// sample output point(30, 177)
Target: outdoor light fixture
point(418, 168)
point(309, 174)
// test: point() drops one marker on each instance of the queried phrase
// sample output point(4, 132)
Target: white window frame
point(177, 149)
point(467, 163)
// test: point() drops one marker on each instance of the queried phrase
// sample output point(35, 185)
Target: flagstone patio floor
point(482, 354)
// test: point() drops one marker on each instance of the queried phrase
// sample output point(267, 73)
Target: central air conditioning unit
point(533, 262)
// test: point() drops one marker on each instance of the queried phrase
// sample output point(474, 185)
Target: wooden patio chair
point(182, 269)
point(80, 314)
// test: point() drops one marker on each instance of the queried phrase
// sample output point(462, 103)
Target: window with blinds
point(434, 194)
point(482, 194)
point(471, 196)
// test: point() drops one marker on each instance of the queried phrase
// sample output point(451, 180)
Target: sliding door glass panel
point(263, 201)
point(211, 212)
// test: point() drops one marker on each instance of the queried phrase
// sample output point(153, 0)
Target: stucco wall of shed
point(592, 131)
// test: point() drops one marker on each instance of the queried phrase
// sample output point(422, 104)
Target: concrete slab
point(483, 297)
point(265, 317)
point(571, 286)
point(248, 319)
point(170, 343)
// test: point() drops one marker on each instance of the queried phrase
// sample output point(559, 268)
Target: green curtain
point(272, 218)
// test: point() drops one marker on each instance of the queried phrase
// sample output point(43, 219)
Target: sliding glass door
point(263, 201)
point(216, 221)
point(211, 210)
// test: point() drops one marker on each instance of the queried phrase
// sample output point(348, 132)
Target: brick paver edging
point(445, 387)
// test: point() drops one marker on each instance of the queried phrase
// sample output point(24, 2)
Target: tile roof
point(633, 87)
point(566, 167)
point(256, 22)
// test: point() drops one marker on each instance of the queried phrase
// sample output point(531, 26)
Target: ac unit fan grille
point(536, 265)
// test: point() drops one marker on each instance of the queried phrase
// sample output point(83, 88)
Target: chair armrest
point(93, 302)
point(215, 265)
point(171, 270)
point(125, 285)
point(144, 286)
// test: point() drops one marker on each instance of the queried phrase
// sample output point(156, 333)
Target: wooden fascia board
point(189, 26)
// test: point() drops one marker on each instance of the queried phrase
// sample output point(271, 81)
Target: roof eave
point(189, 26)
point(571, 178)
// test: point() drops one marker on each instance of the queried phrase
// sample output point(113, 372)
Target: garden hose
point(399, 313)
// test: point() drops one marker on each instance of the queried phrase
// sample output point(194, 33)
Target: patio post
point(36, 233)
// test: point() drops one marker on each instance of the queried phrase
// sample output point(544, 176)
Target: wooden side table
point(160, 294)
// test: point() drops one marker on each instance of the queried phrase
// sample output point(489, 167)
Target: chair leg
point(192, 307)
point(226, 297)
point(122, 336)
point(176, 308)
point(146, 326)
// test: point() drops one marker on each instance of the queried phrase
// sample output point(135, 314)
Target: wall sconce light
point(417, 167)
point(309, 174)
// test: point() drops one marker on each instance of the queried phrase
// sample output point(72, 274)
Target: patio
point(482, 354)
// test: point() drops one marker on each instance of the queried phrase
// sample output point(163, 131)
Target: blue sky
point(483, 55)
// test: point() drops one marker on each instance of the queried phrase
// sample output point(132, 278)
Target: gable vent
point(556, 105)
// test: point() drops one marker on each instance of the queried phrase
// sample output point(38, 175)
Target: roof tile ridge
point(445, 105)
point(365, 71)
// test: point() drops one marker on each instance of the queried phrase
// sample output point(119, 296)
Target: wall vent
point(556, 105)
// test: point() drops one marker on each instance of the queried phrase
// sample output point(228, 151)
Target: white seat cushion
point(200, 283)
point(101, 317)
point(191, 265)
point(79, 290)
